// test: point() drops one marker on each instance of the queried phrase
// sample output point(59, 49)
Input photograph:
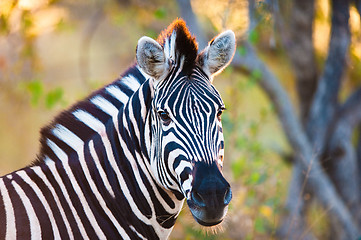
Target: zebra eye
point(164, 116)
point(219, 113)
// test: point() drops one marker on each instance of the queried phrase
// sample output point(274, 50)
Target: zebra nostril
point(227, 196)
point(198, 199)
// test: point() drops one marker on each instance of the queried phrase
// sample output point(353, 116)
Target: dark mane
point(185, 46)
point(68, 120)
point(185, 43)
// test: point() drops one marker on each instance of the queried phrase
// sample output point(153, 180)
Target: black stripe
point(51, 201)
point(63, 201)
point(36, 204)
point(103, 219)
point(2, 217)
point(22, 223)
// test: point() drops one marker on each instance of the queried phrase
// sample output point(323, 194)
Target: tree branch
point(326, 96)
point(358, 5)
point(350, 111)
point(188, 15)
point(298, 42)
point(299, 47)
point(293, 225)
point(323, 187)
point(297, 39)
point(343, 168)
point(89, 32)
point(358, 153)
point(318, 179)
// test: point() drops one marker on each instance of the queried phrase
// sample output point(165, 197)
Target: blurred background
point(55, 52)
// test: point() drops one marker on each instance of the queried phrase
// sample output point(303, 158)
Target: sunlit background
point(53, 53)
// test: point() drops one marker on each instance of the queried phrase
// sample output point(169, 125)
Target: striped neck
point(108, 136)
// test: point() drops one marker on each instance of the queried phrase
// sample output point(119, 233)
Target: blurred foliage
point(40, 49)
point(35, 89)
point(37, 93)
point(251, 166)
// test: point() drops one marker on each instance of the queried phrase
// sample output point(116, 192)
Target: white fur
point(151, 58)
point(68, 137)
point(100, 128)
point(187, 185)
point(42, 198)
point(219, 53)
point(90, 121)
point(117, 93)
point(9, 210)
point(38, 171)
point(99, 167)
point(169, 46)
point(136, 232)
point(73, 141)
point(105, 105)
point(53, 169)
point(131, 82)
point(35, 230)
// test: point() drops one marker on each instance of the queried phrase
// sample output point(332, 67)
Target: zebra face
point(188, 145)
point(186, 150)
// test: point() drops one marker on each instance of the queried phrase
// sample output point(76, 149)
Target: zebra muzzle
point(210, 195)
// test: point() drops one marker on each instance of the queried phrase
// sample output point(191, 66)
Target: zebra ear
point(151, 58)
point(218, 54)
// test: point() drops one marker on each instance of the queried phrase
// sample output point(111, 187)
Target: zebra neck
point(134, 121)
point(135, 130)
point(95, 155)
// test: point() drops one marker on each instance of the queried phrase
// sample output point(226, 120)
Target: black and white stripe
point(120, 163)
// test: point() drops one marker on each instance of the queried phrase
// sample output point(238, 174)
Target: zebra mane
point(115, 93)
point(178, 43)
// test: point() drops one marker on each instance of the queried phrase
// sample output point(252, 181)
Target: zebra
point(120, 163)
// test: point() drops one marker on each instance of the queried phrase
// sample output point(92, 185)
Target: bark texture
point(327, 165)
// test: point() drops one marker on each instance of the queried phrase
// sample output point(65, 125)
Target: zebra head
point(187, 147)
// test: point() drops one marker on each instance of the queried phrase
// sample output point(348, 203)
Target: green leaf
point(119, 19)
point(152, 34)
point(255, 147)
point(27, 20)
point(198, 234)
point(64, 25)
point(160, 13)
point(53, 97)
point(227, 123)
point(249, 237)
point(251, 199)
point(242, 142)
point(4, 25)
point(273, 202)
point(242, 50)
point(259, 225)
point(238, 167)
point(256, 74)
point(256, 178)
point(253, 37)
point(264, 114)
point(35, 88)
point(253, 128)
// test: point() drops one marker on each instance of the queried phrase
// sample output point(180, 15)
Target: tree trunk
point(317, 115)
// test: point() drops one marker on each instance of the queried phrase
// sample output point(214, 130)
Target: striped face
point(187, 150)
point(186, 128)
point(187, 144)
